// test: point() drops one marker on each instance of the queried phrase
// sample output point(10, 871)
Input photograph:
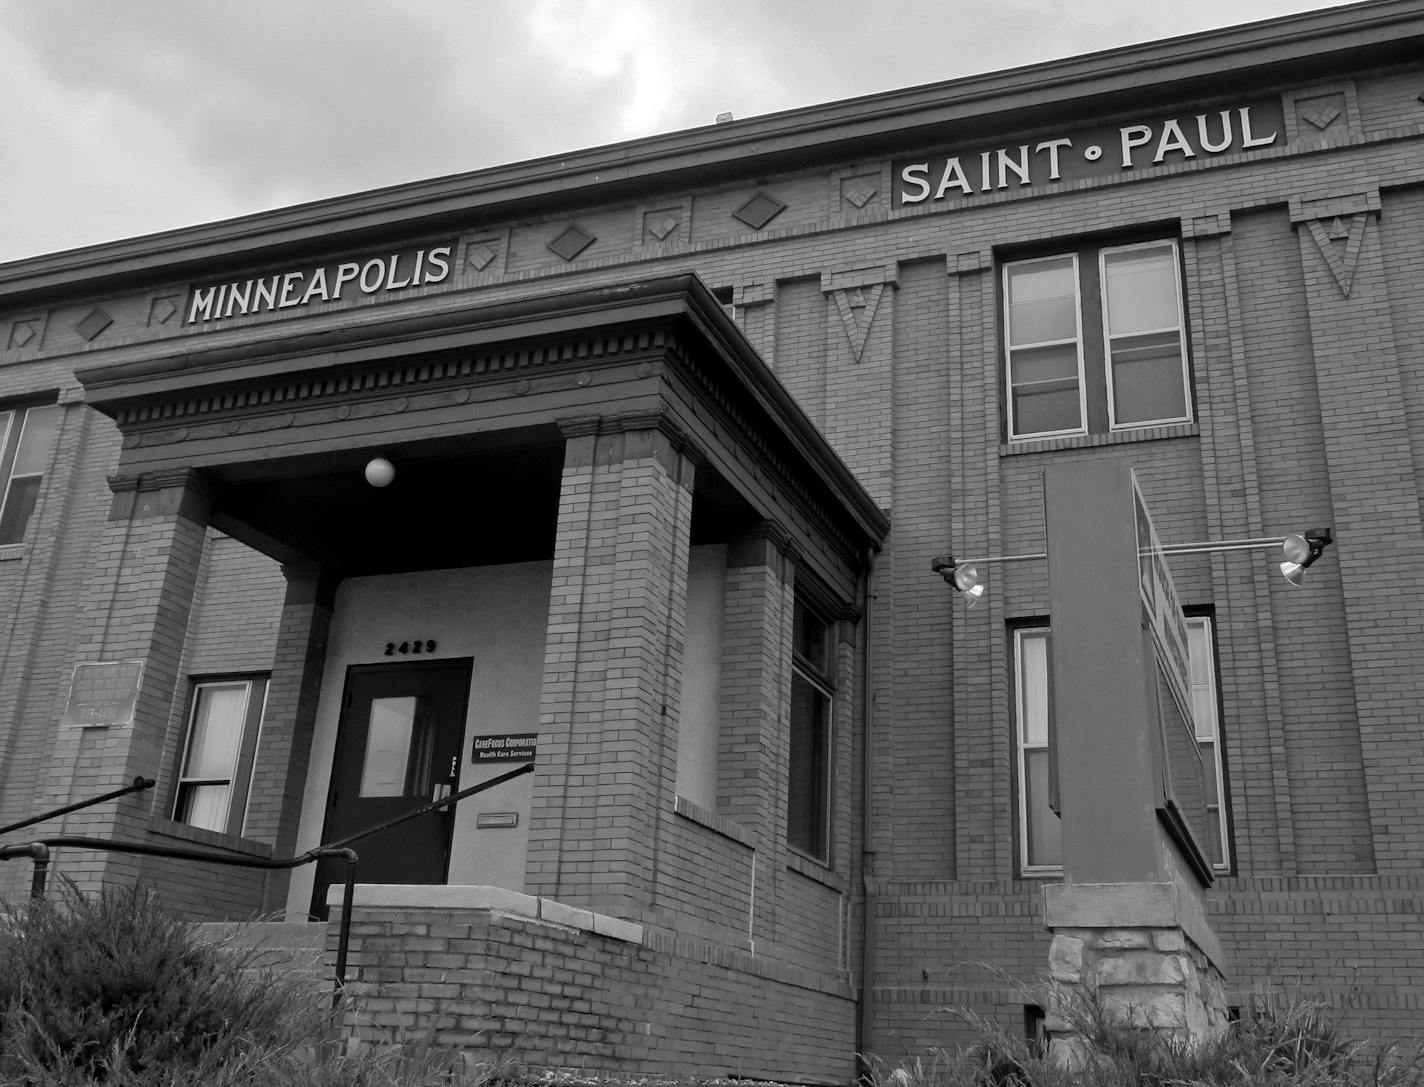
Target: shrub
point(1297, 1045)
point(112, 990)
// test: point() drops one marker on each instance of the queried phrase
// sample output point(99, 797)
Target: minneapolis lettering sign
point(954, 175)
point(296, 287)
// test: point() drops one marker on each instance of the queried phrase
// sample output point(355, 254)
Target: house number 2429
point(402, 649)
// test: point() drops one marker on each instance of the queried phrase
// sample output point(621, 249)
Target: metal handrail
point(39, 852)
point(140, 783)
point(435, 805)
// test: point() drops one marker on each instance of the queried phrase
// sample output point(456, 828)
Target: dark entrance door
point(398, 748)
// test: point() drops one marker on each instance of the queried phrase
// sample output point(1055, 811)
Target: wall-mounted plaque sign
point(102, 694)
point(518, 747)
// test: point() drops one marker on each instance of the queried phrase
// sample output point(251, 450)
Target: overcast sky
point(125, 117)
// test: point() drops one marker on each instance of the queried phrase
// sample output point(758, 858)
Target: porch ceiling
point(471, 403)
point(452, 504)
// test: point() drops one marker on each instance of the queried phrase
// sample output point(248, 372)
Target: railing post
point(39, 874)
point(343, 933)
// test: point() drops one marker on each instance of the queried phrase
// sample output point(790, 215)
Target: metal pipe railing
point(39, 854)
point(435, 805)
point(139, 784)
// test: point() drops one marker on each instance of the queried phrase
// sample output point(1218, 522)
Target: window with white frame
point(1039, 832)
point(26, 443)
point(215, 771)
point(808, 785)
point(1202, 662)
point(1095, 340)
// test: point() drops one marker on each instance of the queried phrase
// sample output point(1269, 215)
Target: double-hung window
point(1039, 832)
point(215, 771)
point(1095, 341)
point(808, 792)
point(26, 442)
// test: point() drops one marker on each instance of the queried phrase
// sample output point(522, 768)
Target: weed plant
point(1299, 1044)
point(112, 990)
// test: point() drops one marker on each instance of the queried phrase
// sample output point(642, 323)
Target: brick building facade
point(677, 427)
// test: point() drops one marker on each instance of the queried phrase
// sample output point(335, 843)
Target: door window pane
point(389, 743)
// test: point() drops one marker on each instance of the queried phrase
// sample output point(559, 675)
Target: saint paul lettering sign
point(296, 287)
point(1044, 160)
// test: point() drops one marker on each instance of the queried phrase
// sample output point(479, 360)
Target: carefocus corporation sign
point(1101, 152)
point(293, 288)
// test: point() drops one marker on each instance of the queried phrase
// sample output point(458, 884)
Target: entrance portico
point(558, 464)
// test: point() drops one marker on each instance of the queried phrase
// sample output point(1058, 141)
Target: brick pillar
point(1374, 493)
point(608, 715)
point(1129, 920)
point(756, 679)
point(136, 604)
point(279, 774)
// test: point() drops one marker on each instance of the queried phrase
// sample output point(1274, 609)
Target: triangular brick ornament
point(857, 306)
point(1341, 259)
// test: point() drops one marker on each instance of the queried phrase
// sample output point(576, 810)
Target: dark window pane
point(806, 795)
point(1147, 379)
point(1044, 827)
point(19, 505)
point(203, 805)
point(30, 437)
point(1045, 412)
point(1045, 390)
point(811, 639)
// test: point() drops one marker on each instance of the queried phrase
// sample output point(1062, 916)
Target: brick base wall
point(558, 987)
point(1352, 941)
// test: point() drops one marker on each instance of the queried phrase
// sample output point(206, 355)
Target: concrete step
point(283, 945)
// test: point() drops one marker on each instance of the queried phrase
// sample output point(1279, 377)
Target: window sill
point(1088, 441)
point(11, 551)
point(211, 839)
point(803, 865)
point(718, 824)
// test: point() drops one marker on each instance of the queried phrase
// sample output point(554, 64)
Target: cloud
point(125, 118)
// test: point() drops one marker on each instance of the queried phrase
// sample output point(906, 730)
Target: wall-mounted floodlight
point(1301, 550)
point(964, 576)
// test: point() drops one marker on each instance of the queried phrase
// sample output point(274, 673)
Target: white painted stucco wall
point(496, 615)
point(700, 711)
